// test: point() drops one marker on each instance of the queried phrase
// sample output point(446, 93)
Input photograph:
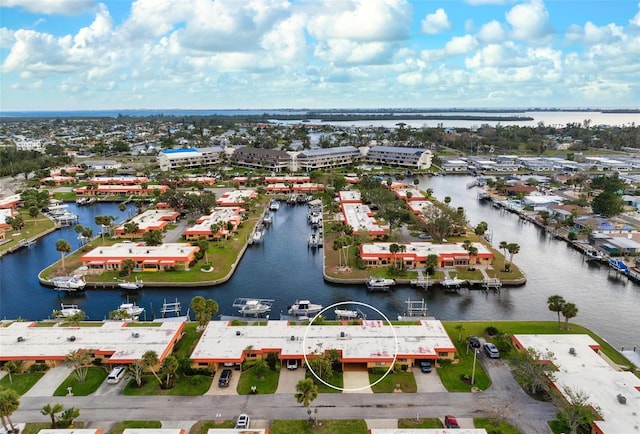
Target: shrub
point(97, 361)
point(38, 367)
point(491, 331)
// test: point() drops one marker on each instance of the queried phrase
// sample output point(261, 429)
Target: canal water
point(284, 269)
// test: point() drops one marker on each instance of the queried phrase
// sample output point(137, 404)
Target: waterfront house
point(223, 215)
point(579, 365)
point(368, 344)
point(164, 257)
point(119, 190)
point(113, 342)
point(150, 220)
point(236, 198)
point(415, 254)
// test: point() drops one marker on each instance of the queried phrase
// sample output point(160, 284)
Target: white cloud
point(635, 21)
point(6, 38)
point(461, 45)
point(469, 25)
point(52, 7)
point(491, 32)
point(592, 34)
point(486, 2)
point(436, 22)
point(529, 21)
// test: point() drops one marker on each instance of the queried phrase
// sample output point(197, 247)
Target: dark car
point(425, 366)
point(474, 342)
point(451, 422)
point(225, 378)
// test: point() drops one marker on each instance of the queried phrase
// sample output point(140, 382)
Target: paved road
point(504, 400)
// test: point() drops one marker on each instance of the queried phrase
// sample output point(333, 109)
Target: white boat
point(314, 240)
point(304, 308)
point(452, 282)
point(268, 219)
point(257, 236)
point(137, 284)
point(346, 314)
point(68, 283)
point(594, 255)
point(67, 310)
point(274, 205)
point(380, 284)
point(131, 309)
point(252, 306)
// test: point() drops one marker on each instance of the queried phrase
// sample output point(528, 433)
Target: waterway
point(284, 269)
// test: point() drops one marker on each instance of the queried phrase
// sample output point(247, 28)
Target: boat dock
point(171, 307)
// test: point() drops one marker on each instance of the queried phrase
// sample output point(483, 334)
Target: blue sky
point(229, 54)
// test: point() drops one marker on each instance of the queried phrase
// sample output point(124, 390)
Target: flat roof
point(428, 431)
point(234, 197)
point(367, 342)
point(219, 214)
point(587, 371)
point(140, 251)
point(152, 218)
point(425, 248)
point(124, 344)
point(153, 431)
point(350, 196)
point(357, 216)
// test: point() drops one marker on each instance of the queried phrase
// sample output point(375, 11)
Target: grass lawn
point(495, 426)
point(121, 426)
point(187, 342)
point(406, 380)
point(186, 386)
point(35, 427)
point(357, 426)
point(336, 380)
point(421, 423)
point(265, 385)
point(202, 426)
point(21, 382)
point(95, 377)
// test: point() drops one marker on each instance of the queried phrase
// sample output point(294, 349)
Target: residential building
point(326, 158)
point(272, 160)
point(222, 215)
point(147, 258)
point(190, 158)
point(410, 158)
point(150, 220)
point(415, 254)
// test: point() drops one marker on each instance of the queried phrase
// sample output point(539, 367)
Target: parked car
point(116, 375)
point(225, 378)
point(425, 366)
point(474, 342)
point(292, 364)
point(243, 421)
point(491, 350)
point(451, 422)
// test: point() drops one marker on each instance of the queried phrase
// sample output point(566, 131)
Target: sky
point(311, 54)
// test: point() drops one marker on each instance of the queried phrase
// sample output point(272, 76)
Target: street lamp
point(473, 371)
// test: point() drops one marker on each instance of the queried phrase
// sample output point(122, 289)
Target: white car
point(292, 364)
point(243, 421)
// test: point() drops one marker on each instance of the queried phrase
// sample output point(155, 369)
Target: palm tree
point(52, 410)
point(79, 359)
point(569, 310)
point(204, 309)
point(63, 247)
point(459, 329)
point(307, 391)
point(149, 360)
point(69, 415)
point(168, 370)
point(9, 402)
point(12, 367)
point(394, 249)
point(503, 246)
point(555, 304)
point(513, 249)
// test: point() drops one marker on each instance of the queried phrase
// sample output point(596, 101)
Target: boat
point(593, 255)
point(304, 308)
point(252, 306)
point(314, 240)
point(67, 310)
point(257, 236)
point(346, 314)
point(274, 205)
point(268, 219)
point(619, 265)
point(131, 309)
point(68, 283)
point(380, 284)
point(450, 283)
point(137, 284)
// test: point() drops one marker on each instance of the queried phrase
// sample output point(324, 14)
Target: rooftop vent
point(238, 332)
point(293, 338)
point(135, 335)
point(341, 334)
point(71, 338)
point(20, 339)
point(572, 351)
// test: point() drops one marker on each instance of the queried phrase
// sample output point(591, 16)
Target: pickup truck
point(225, 378)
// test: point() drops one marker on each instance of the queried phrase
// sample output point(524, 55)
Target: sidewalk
point(48, 384)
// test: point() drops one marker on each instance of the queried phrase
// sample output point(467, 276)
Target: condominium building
point(190, 158)
point(272, 160)
point(327, 158)
point(411, 158)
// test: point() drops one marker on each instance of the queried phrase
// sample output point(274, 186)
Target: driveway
point(48, 384)
point(288, 379)
point(428, 383)
point(356, 381)
point(230, 390)
point(109, 389)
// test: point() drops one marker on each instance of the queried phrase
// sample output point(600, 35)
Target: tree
point(431, 263)
point(394, 249)
point(127, 267)
point(135, 371)
point(513, 249)
point(152, 238)
point(12, 367)
point(9, 402)
point(555, 304)
point(607, 204)
point(459, 329)
point(63, 247)
point(150, 360)
point(532, 371)
point(569, 310)
point(79, 359)
point(51, 411)
point(131, 228)
point(69, 415)
point(575, 410)
point(104, 221)
point(168, 370)
point(306, 391)
point(261, 367)
point(503, 246)
point(204, 309)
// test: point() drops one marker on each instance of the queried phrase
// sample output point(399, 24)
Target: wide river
point(284, 269)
